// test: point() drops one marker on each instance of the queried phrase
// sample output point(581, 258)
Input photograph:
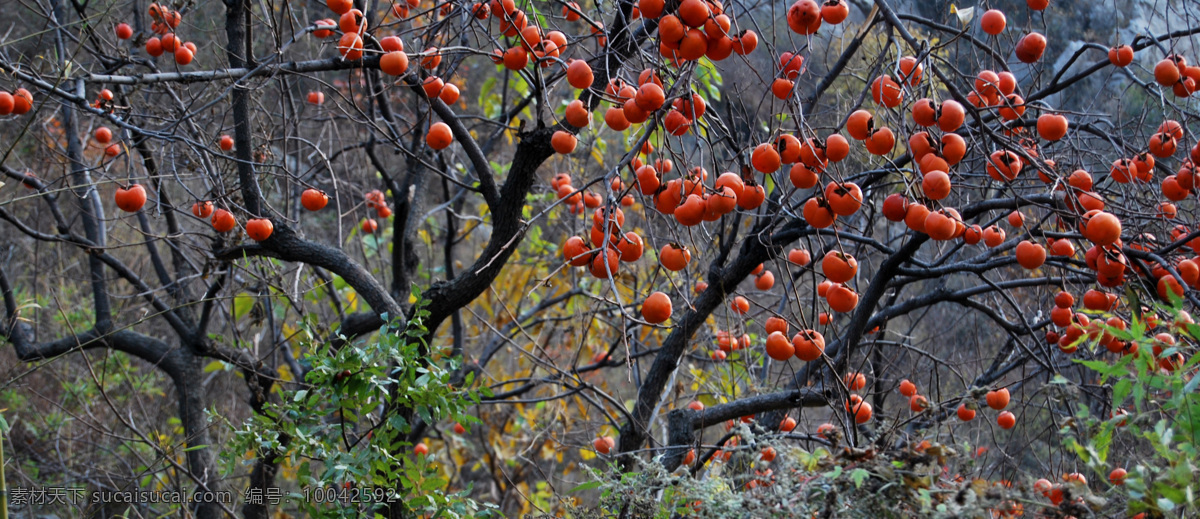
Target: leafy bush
point(391, 379)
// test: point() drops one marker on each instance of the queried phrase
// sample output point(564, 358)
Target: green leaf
point(858, 476)
point(242, 303)
point(1121, 391)
point(433, 484)
point(1191, 385)
point(486, 89)
point(586, 486)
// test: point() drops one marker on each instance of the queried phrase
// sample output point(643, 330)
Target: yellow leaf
point(599, 158)
point(965, 15)
point(587, 454)
point(285, 373)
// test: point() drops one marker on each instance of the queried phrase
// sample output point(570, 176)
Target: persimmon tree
point(695, 229)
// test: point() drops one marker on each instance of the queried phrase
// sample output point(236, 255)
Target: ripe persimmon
point(776, 324)
point(579, 74)
point(350, 21)
point(202, 209)
point(693, 12)
point(839, 267)
point(844, 199)
point(940, 226)
point(834, 12)
point(1030, 48)
point(439, 136)
point(993, 22)
point(223, 221)
point(102, 135)
point(1117, 476)
point(752, 196)
point(651, 9)
point(576, 251)
point(394, 63)
point(788, 424)
point(350, 46)
point(862, 413)
point(650, 96)
point(1162, 145)
point(1004, 165)
point(449, 93)
point(886, 91)
point(432, 58)
point(951, 115)
point(656, 308)
point(790, 65)
point(836, 148)
point(1166, 73)
point(915, 216)
point(817, 213)
point(881, 141)
point(779, 347)
point(739, 305)
point(764, 158)
point(764, 281)
point(313, 199)
point(954, 148)
point(1030, 255)
point(809, 345)
point(802, 177)
point(965, 413)
point(998, 399)
point(631, 247)
point(799, 257)
point(855, 381)
point(973, 235)
point(1121, 55)
point(259, 229)
point(804, 17)
point(604, 444)
point(1103, 229)
point(674, 257)
point(860, 124)
point(895, 207)
point(936, 185)
point(606, 262)
point(842, 299)
point(1052, 127)
point(339, 6)
point(691, 211)
point(1006, 420)
point(154, 46)
point(909, 71)
point(130, 199)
